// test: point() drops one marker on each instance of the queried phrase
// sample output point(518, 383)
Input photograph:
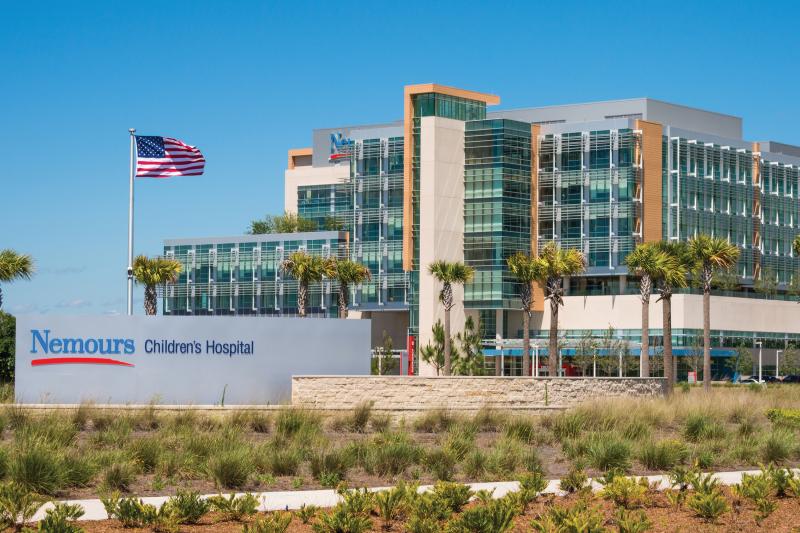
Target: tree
point(306, 269)
point(285, 223)
point(695, 355)
point(796, 245)
point(333, 224)
point(384, 363)
point(152, 273)
point(527, 270)
point(14, 266)
point(449, 274)
point(586, 354)
point(470, 361)
point(727, 280)
point(556, 265)
point(612, 348)
point(767, 283)
point(433, 354)
point(647, 262)
point(710, 254)
point(7, 343)
point(673, 275)
point(347, 273)
point(789, 363)
point(741, 363)
point(657, 363)
point(793, 289)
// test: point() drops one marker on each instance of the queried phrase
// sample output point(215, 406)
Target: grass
point(149, 451)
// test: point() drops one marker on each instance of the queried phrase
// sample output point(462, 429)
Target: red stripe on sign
point(78, 361)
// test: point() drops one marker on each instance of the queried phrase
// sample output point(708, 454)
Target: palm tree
point(14, 266)
point(556, 265)
point(347, 273)
point(151, 273)
point(672, 275)
point(526, 270)
point(710, 254)
point(647, 262)
point(449, 274)
point(306, 269)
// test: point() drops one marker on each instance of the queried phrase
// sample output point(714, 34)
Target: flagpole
point(130, 227)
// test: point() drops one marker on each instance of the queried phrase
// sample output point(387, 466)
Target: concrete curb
point(294, 499)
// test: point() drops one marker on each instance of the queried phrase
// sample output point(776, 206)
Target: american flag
point(164, 157)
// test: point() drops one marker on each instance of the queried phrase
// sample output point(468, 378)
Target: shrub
point(78, 468)
point(609, 453)
point(567, 425)
point(708, 506)
point(702, 426)
point(630, 522)
point(37, 468)
point(662, 455)
point(119, 476)
point(505, 457)
point(291, 421)
point(231, 468)
point(333, 462)
point(391, 503)
point(361, 416)
point(434, 421)
point(306, 513)
point(340, 520)
point(531, 485)
point(146, 451)
point(280, 461)
point(391, 454)
point(453, 496)
point(574, 480)
point(487, 419)
point(188, 507)
point(520, 428)
point(61, 518)
point(496, 516)
point(578, 518)
point(131, 512)
point(764, 508)
point(778, 446)
point(460, 440)
point(54, 430)
point(784, 417)
point(474, 465)
point(235, 507)
point(381, 422)
point(626, 492)
point(745, 450)
point(277, 522)
point(17, 504)
point(780, 478)
point(441, 463)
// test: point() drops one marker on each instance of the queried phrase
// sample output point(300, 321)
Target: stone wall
point(415, 393)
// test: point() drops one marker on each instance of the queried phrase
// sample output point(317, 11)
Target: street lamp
point(777, 362)
point(760, 345)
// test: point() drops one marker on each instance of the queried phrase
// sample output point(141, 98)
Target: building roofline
point(263, 237)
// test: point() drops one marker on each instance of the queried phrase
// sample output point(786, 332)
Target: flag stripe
point(164, 157)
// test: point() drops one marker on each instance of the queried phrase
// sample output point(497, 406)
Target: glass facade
point(242, 275)
point(369, 206)
point(497, 208)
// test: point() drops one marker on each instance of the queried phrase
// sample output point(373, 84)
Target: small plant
point(391, 503)
point(453, 495)
point(662, 455)
point(764, 508)
point(330, 467)
point(626, 492)
point(520, 428)
point(474, 465)
point(61, 519)
point(231, 469)
point(496, 516)
point(531, 485)
point(17, 505)
point(188, 507)
point(434, 421)
point(793, 486)
point(778, 446)
point(784, 417)
point(37, 468)
point(574, 480)
point(119, 476)
point(708, 506)
point(131, 512)
point(277, 522)
point(780, 478)
point(578, 518)
point(606, 453)
point(702, 426)
point(753, 487)
point(441, 463)
point(306, 513)
point(341, 520)
point(632, 522)
point(235, 507)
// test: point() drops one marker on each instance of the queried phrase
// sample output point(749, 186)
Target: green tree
point(556, 265)
point(647, 262)
point(153, 273)
point(742, 362)
point(14, 266)
point(527, 270)
point(727, 280)
point(586, 353)
point(470, 361)
point(449, 274)
point(767, 283)
point(384, 363)
point(347, 273)
point(694, 357)
point(285, 223)
point(673, 276)
point(306, 269)
point(8, 328)
point(710, 254)
point(612, 348)
point(794, 286)
point(333, 224)
point(433, 354)
point(796, 245)
point(789, 361)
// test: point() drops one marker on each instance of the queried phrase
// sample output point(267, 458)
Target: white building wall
point(441, 232)
point(294, 178)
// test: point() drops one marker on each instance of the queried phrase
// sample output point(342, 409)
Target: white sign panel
point(180, 360)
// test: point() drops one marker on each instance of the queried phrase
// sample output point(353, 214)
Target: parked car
point(748, 381)
point(772, 379)
point(792, 378)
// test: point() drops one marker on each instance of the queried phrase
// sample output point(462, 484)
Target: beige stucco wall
point(441, 232)
point(297, 176)
point(403, 393)
point(624, 312)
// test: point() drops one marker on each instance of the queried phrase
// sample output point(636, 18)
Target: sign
point(692, 377)
point(180, 360)
point(340, 147)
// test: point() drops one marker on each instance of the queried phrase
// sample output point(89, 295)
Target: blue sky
point(245, 81)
